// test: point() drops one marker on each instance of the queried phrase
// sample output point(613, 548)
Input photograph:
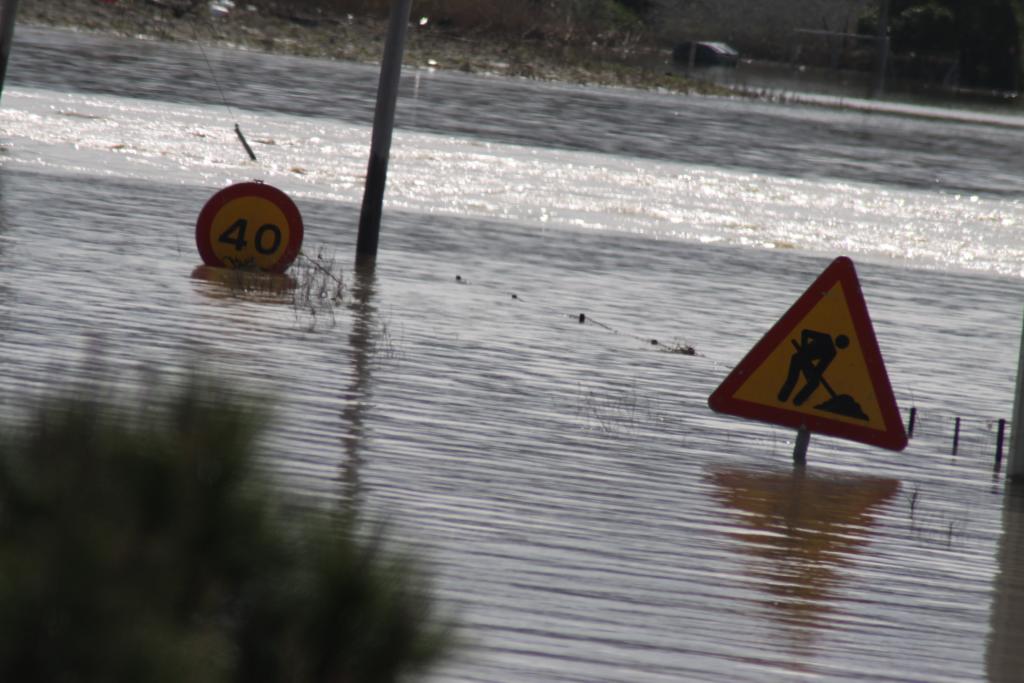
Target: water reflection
point(235, 283)
point(5, 292)
point(1005, 657)
point(356, 399)
point(801, 530)
point(3, 207)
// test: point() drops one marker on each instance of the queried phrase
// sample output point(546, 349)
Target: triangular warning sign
point(819, 368)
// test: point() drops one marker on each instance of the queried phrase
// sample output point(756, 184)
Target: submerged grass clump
point(314, 287)
point(320, 287)
point(141, 543)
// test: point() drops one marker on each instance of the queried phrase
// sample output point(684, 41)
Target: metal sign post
point(803, 439)
point(383, 124)
point(8, 10)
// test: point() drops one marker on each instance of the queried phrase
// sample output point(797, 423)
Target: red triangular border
point(723, 399)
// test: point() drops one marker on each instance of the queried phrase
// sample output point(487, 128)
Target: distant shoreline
point(359, 39)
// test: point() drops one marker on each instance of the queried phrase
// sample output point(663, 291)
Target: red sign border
point(841, 270)
point(204, 223)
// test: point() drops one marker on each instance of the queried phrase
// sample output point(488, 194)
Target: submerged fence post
point(8, 10)
point(383, 124)
point(1015, 459)
point(999, 444)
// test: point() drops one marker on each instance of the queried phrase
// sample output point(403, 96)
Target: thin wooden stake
point(999, 445)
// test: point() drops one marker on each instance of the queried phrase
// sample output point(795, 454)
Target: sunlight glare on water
point(452, 176)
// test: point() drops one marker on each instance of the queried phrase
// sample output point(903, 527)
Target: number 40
point(235, 234)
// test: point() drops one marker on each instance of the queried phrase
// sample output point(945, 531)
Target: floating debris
point(682, 349)
point(221, 8)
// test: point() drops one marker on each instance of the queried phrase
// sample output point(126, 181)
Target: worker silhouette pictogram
point(813, 355)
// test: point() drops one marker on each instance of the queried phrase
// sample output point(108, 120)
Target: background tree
point(981, 38)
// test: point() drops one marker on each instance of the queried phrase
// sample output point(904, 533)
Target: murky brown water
point(586, 515)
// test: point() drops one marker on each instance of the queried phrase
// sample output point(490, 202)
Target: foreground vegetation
point(139, 543)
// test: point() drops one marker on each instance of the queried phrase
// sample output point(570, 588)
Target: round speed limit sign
point(249, 225)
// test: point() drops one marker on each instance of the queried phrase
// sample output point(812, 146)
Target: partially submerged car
point(705, 53)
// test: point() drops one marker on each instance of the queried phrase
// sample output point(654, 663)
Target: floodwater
point(585, 515)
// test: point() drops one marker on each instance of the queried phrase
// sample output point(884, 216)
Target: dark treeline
point(975, 43)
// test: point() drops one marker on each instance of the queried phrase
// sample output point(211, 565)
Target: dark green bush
point(141, 544)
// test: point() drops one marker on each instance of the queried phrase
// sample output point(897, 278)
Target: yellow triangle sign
point(819, 368)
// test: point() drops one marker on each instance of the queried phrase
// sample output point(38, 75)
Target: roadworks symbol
point(814, 353)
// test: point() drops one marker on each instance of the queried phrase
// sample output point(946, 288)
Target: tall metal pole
point(1004, 658)
point(8, 10)
point(383, 124)
point(1015, 460)
point(883, 46)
